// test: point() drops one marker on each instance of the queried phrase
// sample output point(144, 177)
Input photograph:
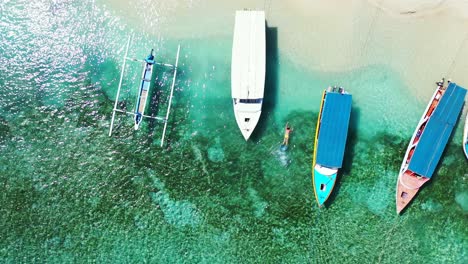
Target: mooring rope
point(376, 15)
point(454, 60)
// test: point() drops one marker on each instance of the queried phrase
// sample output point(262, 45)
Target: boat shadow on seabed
point(271, 81)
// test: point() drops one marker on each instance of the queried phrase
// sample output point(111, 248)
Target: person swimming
point(285, 143)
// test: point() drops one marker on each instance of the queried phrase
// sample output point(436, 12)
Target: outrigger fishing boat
point(330, 141)
point(287, 131)
point(145, 84)
point(248, 69)
point(428, 141)
point(465, 137)
point(143, 90)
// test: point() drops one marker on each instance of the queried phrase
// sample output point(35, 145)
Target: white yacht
point(248, 69)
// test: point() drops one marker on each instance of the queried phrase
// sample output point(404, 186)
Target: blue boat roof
point(437, 132)
point(334, 122)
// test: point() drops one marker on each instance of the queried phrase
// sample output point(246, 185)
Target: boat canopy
point(248, 55)
point(437, 132)
point(333, 129)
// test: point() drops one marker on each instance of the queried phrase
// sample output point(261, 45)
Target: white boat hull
point(247, 117)
point(248, 69)
point(465, 137)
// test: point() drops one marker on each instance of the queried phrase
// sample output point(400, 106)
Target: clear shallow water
point(70, 193)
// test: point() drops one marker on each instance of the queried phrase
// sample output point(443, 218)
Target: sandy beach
point(427, 40)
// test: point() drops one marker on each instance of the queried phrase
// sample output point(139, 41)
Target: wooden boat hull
point(407, 188)
point(404, 193)
point(429, 140)
point(143, 93)
point(248, 69)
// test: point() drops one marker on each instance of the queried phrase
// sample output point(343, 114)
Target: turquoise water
point(70, 193)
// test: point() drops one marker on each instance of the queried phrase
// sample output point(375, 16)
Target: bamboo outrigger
point(143, 92)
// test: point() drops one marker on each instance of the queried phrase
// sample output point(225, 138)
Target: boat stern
point(324, 180)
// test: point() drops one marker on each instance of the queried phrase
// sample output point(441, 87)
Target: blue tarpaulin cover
point(333, 129)
point(437, 132)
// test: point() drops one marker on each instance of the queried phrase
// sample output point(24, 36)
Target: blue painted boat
point(465, 137)
point(330, 141)
point(143, 91)
point(428, 141)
